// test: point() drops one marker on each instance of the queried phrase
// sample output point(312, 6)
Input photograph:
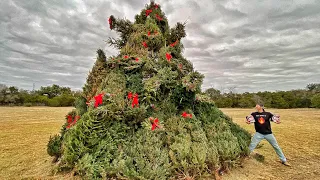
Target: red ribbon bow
point(168, 56)
point(145, 44)
point(158, 17)
point(148, 11)
point(149, 33)
point(155, 124)
point(126, 56)
point(110, 22)
point(135, 101)
point(175, 43)
point(185, 115)
point(156, 6)
point(98, 99)
point(130, 95)
point(71, 122)
point(69, 119)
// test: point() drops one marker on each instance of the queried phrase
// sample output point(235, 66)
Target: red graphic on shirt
point(261, 120)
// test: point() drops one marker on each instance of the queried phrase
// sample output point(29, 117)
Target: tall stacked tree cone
point(142, 114)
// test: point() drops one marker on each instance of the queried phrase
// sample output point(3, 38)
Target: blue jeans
point(271, 139)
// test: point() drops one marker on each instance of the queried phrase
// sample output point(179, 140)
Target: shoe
point(286, 164)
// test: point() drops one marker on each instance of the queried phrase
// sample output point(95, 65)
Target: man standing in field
point(261, 120)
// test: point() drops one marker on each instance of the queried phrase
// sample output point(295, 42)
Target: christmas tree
point(142, 114)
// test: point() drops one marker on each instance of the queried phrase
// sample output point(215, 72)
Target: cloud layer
point(248, 46)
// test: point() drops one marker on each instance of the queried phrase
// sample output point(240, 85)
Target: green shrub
point(54, 102)
point(54, 146)
point(27, 104)
point(316, 101)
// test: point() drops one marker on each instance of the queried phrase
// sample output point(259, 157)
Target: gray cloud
point(250, 46)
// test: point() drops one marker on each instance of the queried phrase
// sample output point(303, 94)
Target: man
point(261, 120)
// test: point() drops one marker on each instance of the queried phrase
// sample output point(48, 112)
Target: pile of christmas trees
point(142, 115)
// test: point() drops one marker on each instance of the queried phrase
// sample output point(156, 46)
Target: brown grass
point(24, 133)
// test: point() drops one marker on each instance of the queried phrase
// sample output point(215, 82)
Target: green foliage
point(47, 96)
point(53, 91)
point(280, 99)
point(314, 87)
point(54, 102)
point(81, 105)
point(54, 146)
point(27, 104)
point(182, 97)
point(96, 76)
point(316, 101)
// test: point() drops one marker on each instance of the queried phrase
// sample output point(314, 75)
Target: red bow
point(69, 119)
point(145, 44)
point(184, 114)
point(156, 6)
point(98, 100)
point(168, 56)
point(175, 43)
point(71, 122)
point(148, 11)
point(149, 33)
point(110, 22)
point(158, 17)
point(130, 95)
point(137, 59)
point(135, 101)
point(126, 56)
point(155, 124)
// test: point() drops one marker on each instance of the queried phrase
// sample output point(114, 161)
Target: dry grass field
point(24, 133)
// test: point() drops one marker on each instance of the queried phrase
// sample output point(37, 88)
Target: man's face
point(258, 107)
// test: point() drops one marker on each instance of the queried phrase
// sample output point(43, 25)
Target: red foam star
point(168, 56)
point(98, 100)
point(155, 124)
point(110, 22)
point(135, 101)
point(145, 44)
point(148, 11)
point(175, 43)
point(185, 115)
point(137, 59)
point(130, 95)
point(158, 17)
point(69, 119)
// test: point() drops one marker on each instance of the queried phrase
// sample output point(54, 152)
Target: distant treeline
point(54, 96)
point(57, 96)
point(304, 98)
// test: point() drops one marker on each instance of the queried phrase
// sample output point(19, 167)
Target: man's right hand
point(249, 119)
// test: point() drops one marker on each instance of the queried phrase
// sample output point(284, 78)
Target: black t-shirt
point(262, 122)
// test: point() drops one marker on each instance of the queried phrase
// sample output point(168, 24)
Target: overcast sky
point(247, 45)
